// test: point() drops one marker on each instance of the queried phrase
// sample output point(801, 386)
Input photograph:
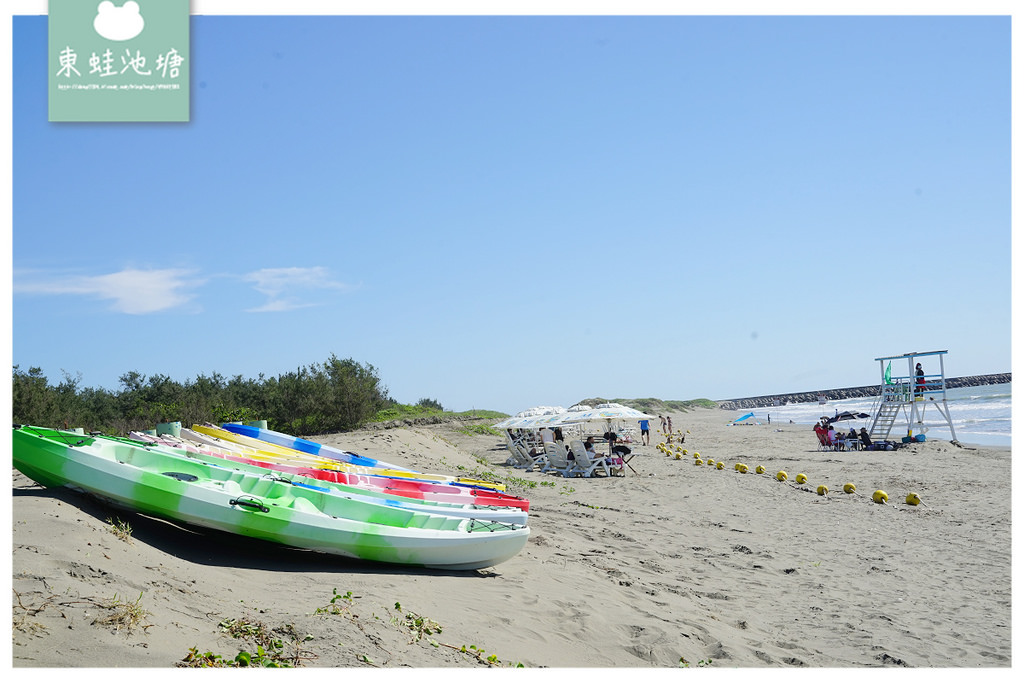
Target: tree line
point(336, 395)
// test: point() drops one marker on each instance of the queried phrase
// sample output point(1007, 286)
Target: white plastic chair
point(585, 464)
point(528, 462)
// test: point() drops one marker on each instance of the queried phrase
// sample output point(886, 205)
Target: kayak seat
point(305, 505)
point(231, 486)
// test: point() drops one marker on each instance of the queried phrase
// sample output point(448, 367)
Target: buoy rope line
point(879, 496)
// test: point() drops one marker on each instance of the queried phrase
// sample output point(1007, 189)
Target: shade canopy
point(530, 422)
point(605, 412)
point(525, 417)
point(847, 415)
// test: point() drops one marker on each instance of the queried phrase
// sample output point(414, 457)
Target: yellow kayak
point(274, 453)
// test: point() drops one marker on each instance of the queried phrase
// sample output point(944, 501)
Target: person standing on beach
point(660, 417)
point(645, 432)
point(669, 418)
point(919, 385)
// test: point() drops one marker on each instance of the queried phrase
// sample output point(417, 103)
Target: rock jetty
point(850, 392)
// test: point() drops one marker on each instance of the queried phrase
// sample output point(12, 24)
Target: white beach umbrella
point(525, 419)
point(521, 422)
point(606, 413)
point(549, 420)
point(541, 410)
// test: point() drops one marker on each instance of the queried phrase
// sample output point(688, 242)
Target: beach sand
point(676, 562)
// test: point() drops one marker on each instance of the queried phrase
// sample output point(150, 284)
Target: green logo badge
point(126, 60)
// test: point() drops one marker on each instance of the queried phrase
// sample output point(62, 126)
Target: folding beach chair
point(585, 464)
point(557, 460)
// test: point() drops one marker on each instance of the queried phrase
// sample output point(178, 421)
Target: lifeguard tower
point(910, 396)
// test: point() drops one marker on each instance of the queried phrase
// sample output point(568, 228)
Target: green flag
point(888, 373)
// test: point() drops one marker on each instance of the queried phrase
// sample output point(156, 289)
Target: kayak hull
point(447, 491)
point(184, 490)
point(293, 456)
point(306, 446)
point(459, 507)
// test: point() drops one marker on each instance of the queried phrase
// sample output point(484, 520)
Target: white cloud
point(283, 286)
point(131, 291)
point(118, 23)
point(139, 292)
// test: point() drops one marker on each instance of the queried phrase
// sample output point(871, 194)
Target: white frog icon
point(118, 23)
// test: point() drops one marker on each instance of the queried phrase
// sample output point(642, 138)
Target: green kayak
point(183, 489)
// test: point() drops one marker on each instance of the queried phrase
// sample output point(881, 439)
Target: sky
point(498, 212)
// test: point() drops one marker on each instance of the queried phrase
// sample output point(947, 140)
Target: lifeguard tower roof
point(912, 355)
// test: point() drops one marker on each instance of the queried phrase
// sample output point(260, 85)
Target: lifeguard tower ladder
point(909, 396)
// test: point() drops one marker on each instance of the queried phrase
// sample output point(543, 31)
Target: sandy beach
point(675, 563)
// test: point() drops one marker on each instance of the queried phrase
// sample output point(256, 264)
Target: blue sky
point(505, 211)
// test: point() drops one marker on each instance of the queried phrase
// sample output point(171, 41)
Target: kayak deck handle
point(181, 476)
point(249, 502)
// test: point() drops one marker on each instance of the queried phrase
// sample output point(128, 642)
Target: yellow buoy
point(822, 490)
point(685, 452)
point(711, 462)
point(849, 488)
point(782, 476)
point(742, 469)
point(880, 496)
point(760, 469)
point(679, 456)
point(720, 465)
point(698, 461)
point(801, 478)
point(696, 455)
point(913, 499)
point(737, 466)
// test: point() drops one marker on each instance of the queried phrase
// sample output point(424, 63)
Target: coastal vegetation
point(336, 395)
point(656, 406)
point(401, 411)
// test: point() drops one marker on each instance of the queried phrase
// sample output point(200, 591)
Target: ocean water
point(981, 415)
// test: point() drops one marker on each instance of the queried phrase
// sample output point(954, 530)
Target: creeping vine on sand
point(266, 648)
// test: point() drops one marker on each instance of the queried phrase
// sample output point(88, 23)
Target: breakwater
point(850, 392)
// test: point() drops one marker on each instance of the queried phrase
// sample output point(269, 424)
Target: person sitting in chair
point(864, 438)
point(821, 433)
point(616, 463)
point(614, 447)
point(830, 436)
